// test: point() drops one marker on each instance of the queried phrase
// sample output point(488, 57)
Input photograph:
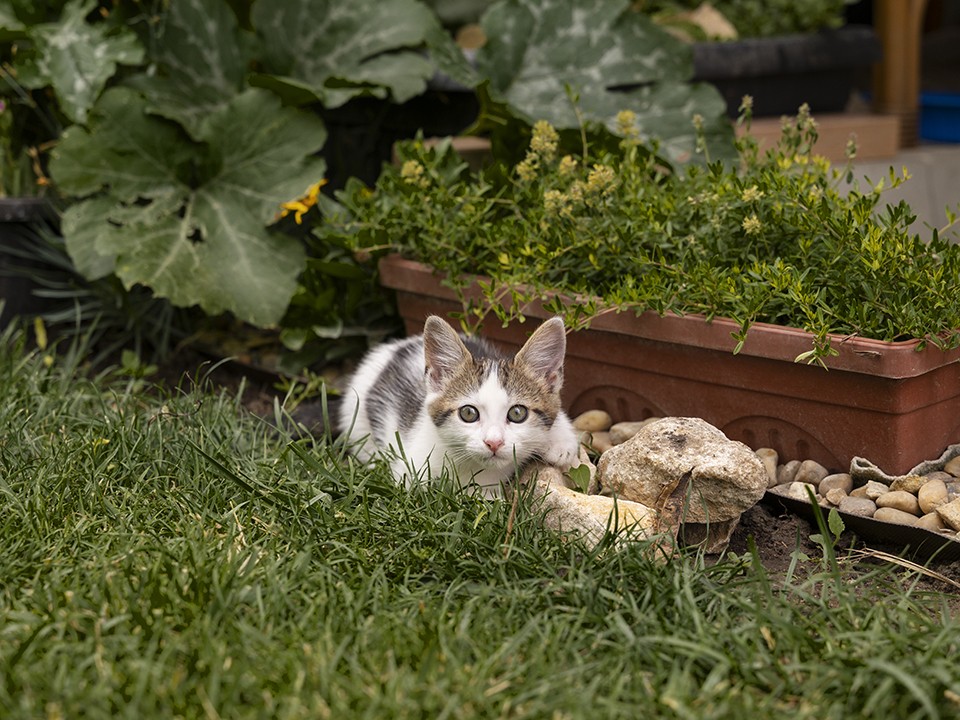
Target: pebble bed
point(930, 502)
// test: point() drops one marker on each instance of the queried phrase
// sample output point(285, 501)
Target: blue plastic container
point(940, 116)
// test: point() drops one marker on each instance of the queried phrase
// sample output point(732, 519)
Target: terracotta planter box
point(884, 401)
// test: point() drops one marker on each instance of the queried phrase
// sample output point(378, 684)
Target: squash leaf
point(75, 57)
point(539, 53)
point(188, 219)
point(347, 49)
point(201, 56)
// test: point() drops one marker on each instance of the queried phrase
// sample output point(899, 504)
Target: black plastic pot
point(22, 222)
point(781, 73)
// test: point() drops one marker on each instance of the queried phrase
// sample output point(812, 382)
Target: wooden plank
point(877, 136)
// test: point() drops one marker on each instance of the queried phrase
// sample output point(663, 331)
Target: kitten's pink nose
point(494, 444)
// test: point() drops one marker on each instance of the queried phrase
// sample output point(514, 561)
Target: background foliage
point(188, 124)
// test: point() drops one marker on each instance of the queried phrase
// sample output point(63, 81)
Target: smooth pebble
point(931, 521)
point(862, 506)
point(769, 457)
point(953, 466)
point(900, 500)
point(592, 421)
point(838, 481)
point(787, 472)
point(932, 494)
point(892, 515)
point(810, 471)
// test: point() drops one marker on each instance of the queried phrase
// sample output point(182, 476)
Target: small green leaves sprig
point(781, 237)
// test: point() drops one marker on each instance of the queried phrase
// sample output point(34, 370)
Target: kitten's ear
point(443, 351)
point(543, 352)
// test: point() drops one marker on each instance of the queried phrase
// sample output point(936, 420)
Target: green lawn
point(163, 554)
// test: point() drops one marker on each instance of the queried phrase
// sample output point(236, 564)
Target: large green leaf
point(337, 50)
point(541, 52)
point(188, 219)
point(77, 58)
point(202, 57)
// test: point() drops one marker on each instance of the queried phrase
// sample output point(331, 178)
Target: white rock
point(590, 516)
point(950, 513)
point(725, 476)
point(835, 496)
point(874, 489)
point(801, 490)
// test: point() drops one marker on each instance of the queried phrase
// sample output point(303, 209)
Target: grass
point(163, 554)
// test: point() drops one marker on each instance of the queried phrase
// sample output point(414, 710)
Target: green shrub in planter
point(775, 238)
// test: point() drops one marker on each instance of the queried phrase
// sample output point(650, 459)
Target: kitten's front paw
point(563, 456)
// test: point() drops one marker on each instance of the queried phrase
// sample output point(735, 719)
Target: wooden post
point(896, 81)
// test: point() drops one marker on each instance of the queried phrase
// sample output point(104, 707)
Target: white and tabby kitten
point(442, 400)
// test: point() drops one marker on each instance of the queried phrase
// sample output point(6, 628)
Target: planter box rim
point(889, 359)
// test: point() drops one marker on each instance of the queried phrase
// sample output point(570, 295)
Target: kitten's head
point(490, 411)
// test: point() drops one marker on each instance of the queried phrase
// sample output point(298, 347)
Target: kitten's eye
point(517, 414)
point(469, 414)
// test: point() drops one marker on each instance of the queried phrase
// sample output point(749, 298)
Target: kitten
point(442, 400)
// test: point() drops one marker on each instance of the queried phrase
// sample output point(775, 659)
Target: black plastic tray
point(913, 541)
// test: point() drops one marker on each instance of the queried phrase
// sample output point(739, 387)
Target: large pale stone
point(725, 477)
point(592, 516)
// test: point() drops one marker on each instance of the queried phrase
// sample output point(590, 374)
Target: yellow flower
point(751, 225)
point(600, 180)
point(527, 169)
point(556, 203)
point(751, 194)
point(411, 170)
point(544, 141)
point(568, 166)
point(301, 206)
point(627, 124)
